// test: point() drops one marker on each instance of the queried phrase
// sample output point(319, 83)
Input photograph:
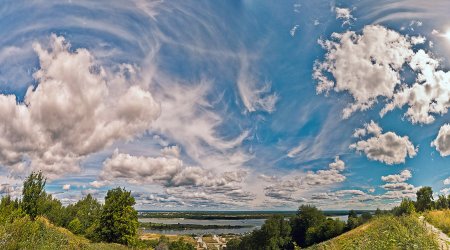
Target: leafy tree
point(180, 244)
point(118, 219)
point(307, 216)
point(33, 191)
point(424, 199)
point(51, 208)
point(442, 202)
point(87, 211)
point(406, 207)
point(75, 226)
point(234, 244)
point(327, 230)
point(352, 214)
point(274, 234)
point(353, 222)
point(10, 209)
point(366, 216)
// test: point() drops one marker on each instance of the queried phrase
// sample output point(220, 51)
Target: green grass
point(385, 232)
point(40, 234)
point(439, 219)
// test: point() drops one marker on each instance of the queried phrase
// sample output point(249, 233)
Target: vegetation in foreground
point(384, 232)
point(39, 221)
point(308, 227)
point(439, 219)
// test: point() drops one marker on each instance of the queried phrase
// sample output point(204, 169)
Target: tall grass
point(385, 232)
point(439, 219)
point(24, 233)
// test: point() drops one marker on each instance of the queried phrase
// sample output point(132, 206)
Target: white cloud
point(293, 30)
point(293, 189)
point(442, 141)
point(338, 164)
point(173, 151)
point(368, 66)
point(53, 135)
point(403, 176)
point(387, 147)
point(428, 96)
point(296, 150)
point(97, 184)
point(447, 181)
point(66, 187)
point(255, 95)
point(169, 172)
point(344, 14)
point(398, 186)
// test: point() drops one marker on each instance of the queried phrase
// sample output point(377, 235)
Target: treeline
point(115, 221)
point(424, 202)
point(309, 226)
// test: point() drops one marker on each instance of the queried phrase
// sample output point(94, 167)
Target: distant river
point(254, 223)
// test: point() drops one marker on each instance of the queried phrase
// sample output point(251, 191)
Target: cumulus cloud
point(365, 65)
point(386, 147)
point(291, 189)
point(172, 174)
point(442, 141)
point(368, 66)
point(398, 186)
point(77, 108)
point(338, 164)
point(403, 176)
point(344, 14)
point(447, 181)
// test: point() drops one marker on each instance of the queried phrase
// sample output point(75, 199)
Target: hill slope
point(41, 234)
point(385, 232)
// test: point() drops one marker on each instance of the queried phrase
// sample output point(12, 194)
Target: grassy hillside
point(385, 232)
point(40, 234)
point(439, 219)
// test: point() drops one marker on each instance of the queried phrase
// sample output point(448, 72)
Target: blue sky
point(227, 104)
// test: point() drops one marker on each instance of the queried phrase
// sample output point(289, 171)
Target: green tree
point(352, 214)
point(9, 209)
point(75, 226)
point(118, 219)
point(51, 208)
point(87, 211)
point(424, 199)
point(180, 244)
point(33, 191)
point(274, 234)
point(366, 216)
point(442, 202)
point(327, 230)
point(406, 207)
point(307, 216)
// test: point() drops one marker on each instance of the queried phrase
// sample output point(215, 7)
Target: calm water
point(254, 223)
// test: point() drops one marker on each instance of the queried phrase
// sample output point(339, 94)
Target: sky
point(227, 105)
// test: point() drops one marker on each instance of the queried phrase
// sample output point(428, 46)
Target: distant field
point(439, 219)
point(386, 232)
